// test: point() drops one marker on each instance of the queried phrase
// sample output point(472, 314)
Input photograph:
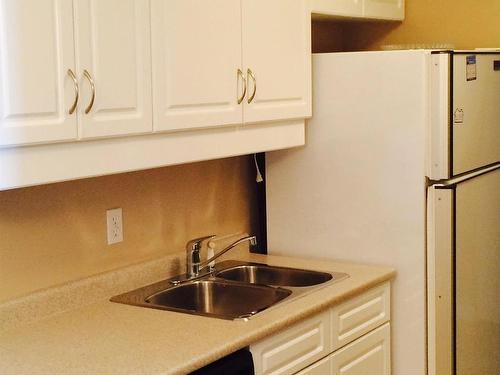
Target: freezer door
point(475, 111)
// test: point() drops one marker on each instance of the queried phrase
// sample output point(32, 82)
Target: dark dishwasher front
point(237, 363)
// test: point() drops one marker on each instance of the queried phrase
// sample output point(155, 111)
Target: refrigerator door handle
point(440, 276)
point(457, 180)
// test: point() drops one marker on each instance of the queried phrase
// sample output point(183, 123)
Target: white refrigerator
point(401, 168)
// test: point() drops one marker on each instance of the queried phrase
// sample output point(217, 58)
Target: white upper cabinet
point(100, 70)
point(36, 87)
point(230, 62)
point(384, 9)
point(196, 57)
point(377, 9)
point(126, 67)
point(276, 59)
point(344, 8)
point(47, 96)
point(114, 67)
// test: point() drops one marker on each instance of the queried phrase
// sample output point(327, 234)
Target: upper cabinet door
point(36, 52)
point(277, 59)
point(344, 8)
point(196, 57)
point(384, 9)
point(114, 66)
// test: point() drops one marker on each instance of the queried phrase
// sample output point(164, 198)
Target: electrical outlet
point(114, 225)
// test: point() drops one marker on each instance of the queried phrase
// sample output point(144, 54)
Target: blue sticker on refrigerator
point(471, 68)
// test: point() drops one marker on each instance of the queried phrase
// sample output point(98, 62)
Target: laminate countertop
point(110, 338)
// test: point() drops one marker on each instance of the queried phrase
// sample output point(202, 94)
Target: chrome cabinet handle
point(251, 75)
point(92, 86)
point(240, 74)
point(77, 91)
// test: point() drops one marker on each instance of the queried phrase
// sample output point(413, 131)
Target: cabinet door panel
point(196, 56)
point(36, 50)
point(384, 9)
point(360, 315)
point(368, 355)
point(347, 8)
point(114, 47)
point(323, 367)
point(294, 348)
point(277, 49)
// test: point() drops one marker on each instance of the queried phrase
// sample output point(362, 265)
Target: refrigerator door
point(477, 275)
point(475, 111)
point(356, 190)
point(463, 266)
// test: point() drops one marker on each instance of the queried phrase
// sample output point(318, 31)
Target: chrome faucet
point(193, 263)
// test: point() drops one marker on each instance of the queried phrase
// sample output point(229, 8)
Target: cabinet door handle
point(240, 75)
point(77, 91)
point(251, 75)
point(92, 86)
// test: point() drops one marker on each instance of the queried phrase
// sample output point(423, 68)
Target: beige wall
point(463, 23)
point(54, 233)
point(327, 36)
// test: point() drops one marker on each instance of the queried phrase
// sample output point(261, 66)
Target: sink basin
point(238, 290)
point(270, 275)
point(219, 298)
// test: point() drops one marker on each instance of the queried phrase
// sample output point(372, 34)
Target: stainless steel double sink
point(235, 290)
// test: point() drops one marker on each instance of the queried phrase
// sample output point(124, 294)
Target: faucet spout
point(251, 239)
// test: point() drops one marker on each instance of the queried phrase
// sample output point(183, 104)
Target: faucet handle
point(195, 244)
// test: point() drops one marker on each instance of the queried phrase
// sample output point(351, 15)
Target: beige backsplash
point(56, 233)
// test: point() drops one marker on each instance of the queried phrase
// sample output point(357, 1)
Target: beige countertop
point(111, 338)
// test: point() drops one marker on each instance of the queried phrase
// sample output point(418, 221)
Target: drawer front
point(323, 367)
point(295, 348)
point(371, 354)
point(359, 315)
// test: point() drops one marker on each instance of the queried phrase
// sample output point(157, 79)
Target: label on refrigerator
point(471, 71)
point(458, 116)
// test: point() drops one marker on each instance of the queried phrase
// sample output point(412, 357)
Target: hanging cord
point(258, 178)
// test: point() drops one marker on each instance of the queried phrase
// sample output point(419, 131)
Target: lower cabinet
point(370, 354)
point(287, 351)
point(322, 367)
point(352, 338)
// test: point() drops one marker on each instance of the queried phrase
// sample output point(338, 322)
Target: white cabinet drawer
point(359, 315)
point(371, 354)
point(295, 348)
point(323, 367)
